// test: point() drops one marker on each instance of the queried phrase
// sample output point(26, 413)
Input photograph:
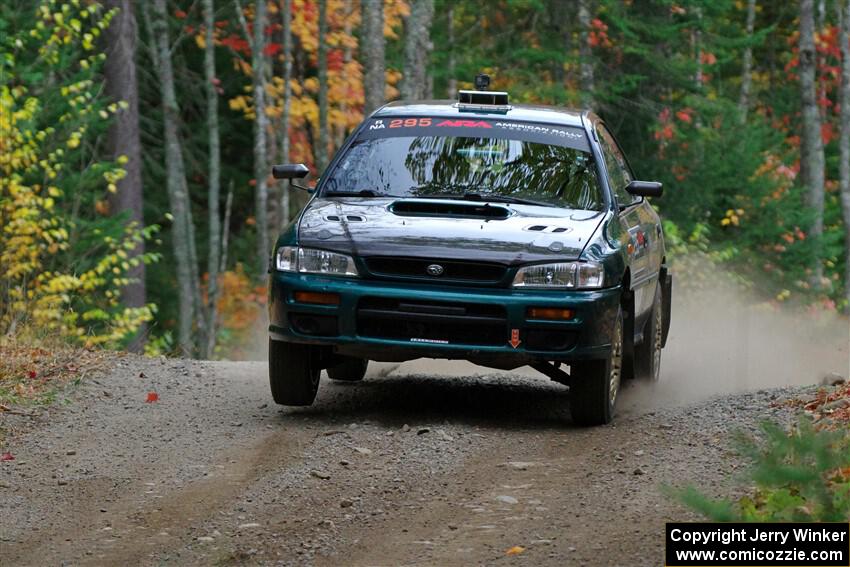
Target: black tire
point(595, 384)
point(351, 370)
point(648, 352)
point(293, 373)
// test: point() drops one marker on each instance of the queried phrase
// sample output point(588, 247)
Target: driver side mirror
point(290, 171)
point(645, 188)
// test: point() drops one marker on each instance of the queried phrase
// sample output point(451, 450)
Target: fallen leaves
point(515, 550)
point(152, 397)
point(7, 457)
point(31, 371)
point(830, 409)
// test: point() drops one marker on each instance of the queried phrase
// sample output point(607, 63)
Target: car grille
point(432, 322)
point(452, 270)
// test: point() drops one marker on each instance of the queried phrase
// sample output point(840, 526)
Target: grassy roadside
point(33, 376)
point(796, 475)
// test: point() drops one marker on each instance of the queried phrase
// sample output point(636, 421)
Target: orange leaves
point(152, 398)
point(515, 550)
point(598, 36)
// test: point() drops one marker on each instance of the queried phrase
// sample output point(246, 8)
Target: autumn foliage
point(61, 268)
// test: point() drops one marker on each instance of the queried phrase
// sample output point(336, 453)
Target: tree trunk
point(261, 195)
point(747, 72)
point(175, 181)
point(811, 146)
point(121, 85)
point(417, 47)
point(450, 71)
point(214, 253)
point(347, 56)
point(844, 142)
point(286, 8)
point(322, 145)
point(374, 80)
point(585, 55)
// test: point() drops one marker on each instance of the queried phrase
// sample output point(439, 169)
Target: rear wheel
point(293, 373)
point(648, 353)
point(596, 383)
point(351, 370)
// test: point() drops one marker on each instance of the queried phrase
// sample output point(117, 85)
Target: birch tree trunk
point(844, 142)
point(121, 85)
point(261, 194)
point(811, 146)
point(347, 56)
point(175, 181)
point(322, 145)
point(585, 55)
point(450, 71)
point(374, 79)
point(417, 48)
point(747, 71)
point(214, 174)
point(286, 8)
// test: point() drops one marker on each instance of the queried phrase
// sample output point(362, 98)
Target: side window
point(618, 170)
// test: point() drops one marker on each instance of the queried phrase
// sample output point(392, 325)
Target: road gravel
point(424, 463)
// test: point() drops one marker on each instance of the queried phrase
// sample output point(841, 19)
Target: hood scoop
point(452, 209)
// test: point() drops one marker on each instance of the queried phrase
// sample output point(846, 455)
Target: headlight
point(563, 275)
point(312, 261)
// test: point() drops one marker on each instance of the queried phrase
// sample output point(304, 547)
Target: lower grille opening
point(432, 322)
point(316, 325)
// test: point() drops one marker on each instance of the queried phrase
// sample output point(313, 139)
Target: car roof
point(518, 112)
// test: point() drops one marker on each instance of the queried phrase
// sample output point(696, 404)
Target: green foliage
point(62, 263)
point(803, 476)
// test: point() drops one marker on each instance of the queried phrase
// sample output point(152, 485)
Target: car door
point(640, 221)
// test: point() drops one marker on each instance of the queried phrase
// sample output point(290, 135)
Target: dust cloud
point(723, 341)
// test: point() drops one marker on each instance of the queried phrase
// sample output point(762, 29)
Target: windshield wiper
point(473, 196)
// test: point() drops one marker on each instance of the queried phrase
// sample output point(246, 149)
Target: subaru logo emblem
point(434, 270)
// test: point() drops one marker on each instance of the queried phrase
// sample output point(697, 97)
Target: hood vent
point(349, 218)
point(411, 208)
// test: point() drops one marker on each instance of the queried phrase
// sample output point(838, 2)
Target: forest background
point(136, 139)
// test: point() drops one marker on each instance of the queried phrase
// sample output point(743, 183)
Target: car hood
point(446, 229)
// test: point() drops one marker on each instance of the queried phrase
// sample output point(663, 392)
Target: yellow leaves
point(515, 550)
point(200, 41)
point(238, 103)
point(732, 217)
point(71, 300)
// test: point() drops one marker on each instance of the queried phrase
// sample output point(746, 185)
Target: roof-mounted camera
point(482, 82)
point(481, 99)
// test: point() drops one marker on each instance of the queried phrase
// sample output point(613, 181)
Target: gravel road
point(426, 463)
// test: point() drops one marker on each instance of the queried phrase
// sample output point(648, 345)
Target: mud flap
point(666, 302)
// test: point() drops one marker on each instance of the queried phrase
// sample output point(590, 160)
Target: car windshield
point(467, 166)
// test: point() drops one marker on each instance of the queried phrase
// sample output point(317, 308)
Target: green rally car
point(506, 235)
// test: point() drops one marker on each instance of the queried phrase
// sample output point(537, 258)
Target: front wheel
point(594, 384)
point(293, 373)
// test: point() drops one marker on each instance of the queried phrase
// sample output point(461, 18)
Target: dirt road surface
point(424, 463)
point(427, 463)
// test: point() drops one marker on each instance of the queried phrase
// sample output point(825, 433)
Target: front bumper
point(479, 323)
